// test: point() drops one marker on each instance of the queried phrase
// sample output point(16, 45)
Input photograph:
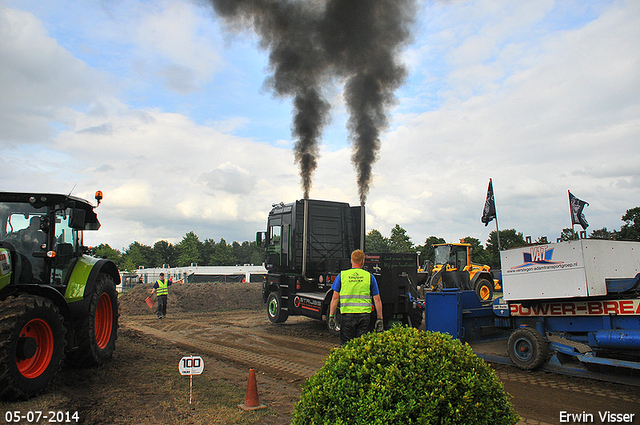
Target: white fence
point(196, 274)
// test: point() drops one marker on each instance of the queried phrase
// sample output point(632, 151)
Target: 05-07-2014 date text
point(36, 416)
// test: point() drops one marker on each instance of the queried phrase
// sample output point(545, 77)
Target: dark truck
point(308, 243)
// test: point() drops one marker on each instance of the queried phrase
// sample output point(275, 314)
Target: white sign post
point(191, 365)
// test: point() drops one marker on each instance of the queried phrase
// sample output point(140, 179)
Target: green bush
point(404, 376)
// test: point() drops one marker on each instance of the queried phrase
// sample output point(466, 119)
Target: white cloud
point(39, 80)
point(540, 96)
point(175, 40)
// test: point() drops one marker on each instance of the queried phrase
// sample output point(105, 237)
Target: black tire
point(527, 348)
point(32, 342)
point(484, 289)
point(274, 308)
point(338, 321)
point(417, 316)
point(97, 332)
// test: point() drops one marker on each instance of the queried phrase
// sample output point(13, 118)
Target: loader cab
point(454, 256)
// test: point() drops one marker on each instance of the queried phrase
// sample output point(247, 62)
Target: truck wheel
point(274, 308)
point(32, 340)
point(97, 332)
point(484, 289)
point(527, 348)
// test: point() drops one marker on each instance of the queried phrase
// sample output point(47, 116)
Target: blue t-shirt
point(337, 285)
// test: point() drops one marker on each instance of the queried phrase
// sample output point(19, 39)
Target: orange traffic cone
point(251, 399)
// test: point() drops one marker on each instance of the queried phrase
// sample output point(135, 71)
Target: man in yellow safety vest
point(353, 290)
point(161, 288)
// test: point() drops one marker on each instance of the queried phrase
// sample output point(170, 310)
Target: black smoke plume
point(311, 43)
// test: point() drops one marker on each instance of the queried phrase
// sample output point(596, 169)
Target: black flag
point(489, 212)
point(577, 217)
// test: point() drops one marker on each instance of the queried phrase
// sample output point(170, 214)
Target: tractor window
point(64, 233)
point(66, 243)
point(21, 228)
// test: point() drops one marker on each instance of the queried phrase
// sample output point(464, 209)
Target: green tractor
point(56, 301)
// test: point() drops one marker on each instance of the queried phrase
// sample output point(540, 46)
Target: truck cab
point(308, 243)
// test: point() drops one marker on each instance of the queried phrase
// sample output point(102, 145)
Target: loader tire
point(527, 348)
point(274, 308)
point(484, 289)
point(97, 332)
point(32, 342)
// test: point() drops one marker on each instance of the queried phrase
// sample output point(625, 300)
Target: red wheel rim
point(39, 330)
point(104, 321)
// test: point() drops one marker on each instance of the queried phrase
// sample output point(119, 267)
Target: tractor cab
point(41, 236)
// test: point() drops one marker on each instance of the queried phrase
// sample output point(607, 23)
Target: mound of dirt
point(195, 297)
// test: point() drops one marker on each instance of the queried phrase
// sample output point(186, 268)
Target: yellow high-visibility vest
point(163, 287)
point(355, 291)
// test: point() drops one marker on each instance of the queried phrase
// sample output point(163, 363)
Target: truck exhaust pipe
point(362, 227)
point(305, 232)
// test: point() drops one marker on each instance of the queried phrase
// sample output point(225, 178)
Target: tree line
point(211, 253)
point(399, 241)
point(189, 251)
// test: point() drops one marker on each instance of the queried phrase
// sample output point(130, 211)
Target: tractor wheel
point(32, 341)
point(97, 332)
point(274, 308)
point(484, 289)
point(527, 348)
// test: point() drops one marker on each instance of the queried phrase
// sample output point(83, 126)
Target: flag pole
point(498, 232)
point(573, 225)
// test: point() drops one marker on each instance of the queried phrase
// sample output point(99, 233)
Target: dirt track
point(231, 342)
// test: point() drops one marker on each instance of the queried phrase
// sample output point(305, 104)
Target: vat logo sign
point(537, 255)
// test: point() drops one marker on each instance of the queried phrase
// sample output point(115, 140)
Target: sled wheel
point(527, 348)
point(274, 308)
point(32, 344)
point(484, 289)
point(97, 332)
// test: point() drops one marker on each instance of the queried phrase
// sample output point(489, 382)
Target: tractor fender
point(44, 291)
point(83, 279)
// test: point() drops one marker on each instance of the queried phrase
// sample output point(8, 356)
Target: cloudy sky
point(162, 108)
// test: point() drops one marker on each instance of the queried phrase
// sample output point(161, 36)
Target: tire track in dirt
point(235, 354)
point(541, 380)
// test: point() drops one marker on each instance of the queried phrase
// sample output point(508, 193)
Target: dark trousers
point(353, 325)
point(162, 305)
